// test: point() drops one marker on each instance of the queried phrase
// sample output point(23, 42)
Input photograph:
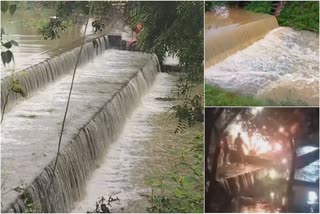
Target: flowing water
point(309, 173)
point(105, 92)
point(121, 174)
point(41, 74)
point(229, 30)
point(280, 63)
point(33, 48)
point(55, 62)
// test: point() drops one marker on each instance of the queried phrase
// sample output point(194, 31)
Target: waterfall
point(40, 75)
point(284, 65)
point(235, 184)
point(81, 155)
point(233, 31)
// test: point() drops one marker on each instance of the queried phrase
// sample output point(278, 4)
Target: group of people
point(238, 144)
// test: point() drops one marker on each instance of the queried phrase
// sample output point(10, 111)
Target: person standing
point(238, 143)
point(225, 148)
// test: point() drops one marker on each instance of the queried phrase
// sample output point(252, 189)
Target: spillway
point(258, 58)
point(36, 67)
point(121, 173)
point(43, 73)
point(229, 30)
point(106, 91)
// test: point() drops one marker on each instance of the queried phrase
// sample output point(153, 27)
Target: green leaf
point(12, 9)
point(4, 6)
point(7, 45)
point(190, 178)
point(6, 57)
point(14, 43)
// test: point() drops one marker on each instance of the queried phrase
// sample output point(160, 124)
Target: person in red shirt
point(138, 28)
point(132, 44)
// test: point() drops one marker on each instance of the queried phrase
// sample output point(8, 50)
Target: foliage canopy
point(175, 28)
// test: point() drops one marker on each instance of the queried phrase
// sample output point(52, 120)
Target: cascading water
point(106, 90)
point(229, 30)
point(33, 48)
point(284, 65)
point(122, 170)
point(56, 59)
point(39, 75)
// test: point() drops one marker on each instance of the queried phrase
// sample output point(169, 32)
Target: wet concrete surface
point(231, 170)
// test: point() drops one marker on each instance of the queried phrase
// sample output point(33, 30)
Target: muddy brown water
point(249, 54)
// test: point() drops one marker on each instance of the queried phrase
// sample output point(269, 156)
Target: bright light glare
point(256, 110)
point(277, 147)
point(260, 144)
point(273, 174)
point(312, 197)
point(281, 129)
point(284, 161)
point(256, 142)
point(283, 201)
point(272, 195)
point(238, 117)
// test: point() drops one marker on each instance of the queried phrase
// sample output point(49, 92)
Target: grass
point(215, 96)
point(175, 173)
point(298, 15)
point(259, 7)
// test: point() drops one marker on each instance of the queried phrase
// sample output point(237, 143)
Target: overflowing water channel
point(107, 90)
point(249, 54)
point(121, 173)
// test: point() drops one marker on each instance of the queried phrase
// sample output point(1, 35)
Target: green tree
point(175, 28)
point(8, 57)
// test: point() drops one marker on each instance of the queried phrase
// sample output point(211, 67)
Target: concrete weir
point(236, 183)
point(248, 54)
point(106, 90)
point(229, 30)
point(54, 63)
point(43, 73)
